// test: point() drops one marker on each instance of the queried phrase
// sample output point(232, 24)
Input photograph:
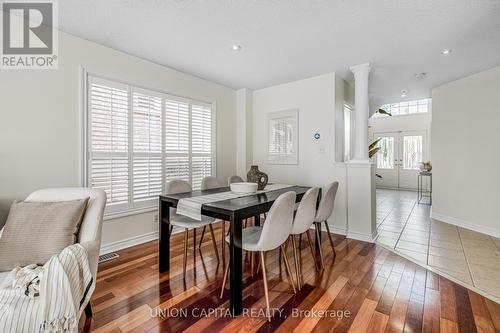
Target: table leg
point(257, 220)
point(164, 244)
point(235, 267)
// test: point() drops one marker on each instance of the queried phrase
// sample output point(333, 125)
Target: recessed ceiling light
point(446, 52)
point(404, 93)
point(420, 76)
point(236, 47)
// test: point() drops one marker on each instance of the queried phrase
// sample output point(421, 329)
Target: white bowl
point(244, 187)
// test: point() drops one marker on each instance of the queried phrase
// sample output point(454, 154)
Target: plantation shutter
point(201, 144)
point(108, 140)
point(147, 147)
point(177, 138)
point(138, 139)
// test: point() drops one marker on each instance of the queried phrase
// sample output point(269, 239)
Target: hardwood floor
point(366, 289)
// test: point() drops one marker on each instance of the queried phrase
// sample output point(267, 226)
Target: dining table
point(234, 210)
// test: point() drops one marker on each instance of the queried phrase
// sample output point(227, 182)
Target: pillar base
point(361, 209)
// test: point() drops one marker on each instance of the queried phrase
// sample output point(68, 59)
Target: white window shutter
point(138, 139)
point(177, 137)
point(201, 144)
point(108, 140)
point(147, 147)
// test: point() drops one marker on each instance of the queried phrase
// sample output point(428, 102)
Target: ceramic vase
point(254, 175)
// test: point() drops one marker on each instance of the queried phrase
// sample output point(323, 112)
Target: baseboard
point(333, 229)
point(465, 224)
point(337, 230)
point(128, 242)
point(132, 241)
point(365, 237)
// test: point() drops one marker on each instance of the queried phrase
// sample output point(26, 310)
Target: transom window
point(138, 139)
point(404, 108)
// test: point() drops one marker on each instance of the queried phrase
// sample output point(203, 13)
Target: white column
point(361, 112)
point(361, 201)
point(244, 131)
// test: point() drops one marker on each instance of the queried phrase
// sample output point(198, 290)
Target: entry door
point(399, 157)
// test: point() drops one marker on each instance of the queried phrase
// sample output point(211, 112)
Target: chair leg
point(312, 250)
point(186, 236)
point(331, 240)
point(214, 242)
point(288, 270)
point(171, 229)
point(88, 310)
point(226, 271)
point(296, 260)
point(251, 263)
point(318, 236)
point(264, 279)
point(202, 235)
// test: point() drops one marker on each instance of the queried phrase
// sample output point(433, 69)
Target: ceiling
point(286, 40)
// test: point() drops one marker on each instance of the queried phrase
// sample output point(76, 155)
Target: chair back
point(325, 208)
point(306, 213)
point(210, 182)
point(177, 186)
point(234, 179)
point(278, 223)
point(90, 231)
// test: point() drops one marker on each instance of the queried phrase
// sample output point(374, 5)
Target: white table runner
point(191, 207)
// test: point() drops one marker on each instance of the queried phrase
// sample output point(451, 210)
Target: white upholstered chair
point(324, 212)
point(272, 235)
point(181, 186)
point(208, 183)
point(234, 179)
point(304, 219)
point(89, 235)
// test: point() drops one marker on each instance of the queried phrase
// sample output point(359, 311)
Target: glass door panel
point(385, 156)
point(412, 152)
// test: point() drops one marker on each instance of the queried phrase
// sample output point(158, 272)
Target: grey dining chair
point(234, 179)
point(324, 212)
point(304, 219)
point(208, 183)
point(271, 236)
point(181, 186)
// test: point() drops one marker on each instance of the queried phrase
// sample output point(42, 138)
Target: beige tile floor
point(468, 256)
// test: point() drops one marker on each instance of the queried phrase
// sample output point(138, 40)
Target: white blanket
point(47, 298)
point(191, 207)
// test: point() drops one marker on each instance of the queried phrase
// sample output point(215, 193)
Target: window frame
point(147, 205)
point(399, 105)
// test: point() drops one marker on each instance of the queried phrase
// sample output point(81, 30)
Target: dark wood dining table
point(233, 210)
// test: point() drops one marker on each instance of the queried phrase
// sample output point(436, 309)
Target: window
point(138, 139)
point(283, 137)
point(385, 156)
point(412, 152)
point(404, 108)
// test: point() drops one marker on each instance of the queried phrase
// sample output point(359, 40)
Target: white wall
point(465, 152)
point(315, 98)
point(40, 127)
point(411, 122)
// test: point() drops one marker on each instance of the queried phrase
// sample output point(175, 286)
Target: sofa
point(89, 235)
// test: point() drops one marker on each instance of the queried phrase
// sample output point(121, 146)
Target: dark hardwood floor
point(366, 289)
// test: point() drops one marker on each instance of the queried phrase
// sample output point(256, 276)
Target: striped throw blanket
point(191, 207)
point(48, 298)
